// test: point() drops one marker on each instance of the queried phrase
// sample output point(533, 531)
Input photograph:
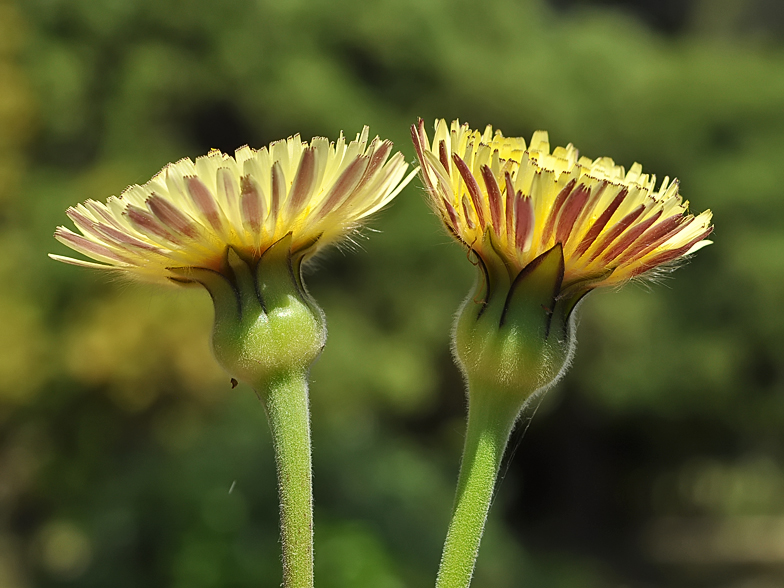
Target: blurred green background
point(658, 462)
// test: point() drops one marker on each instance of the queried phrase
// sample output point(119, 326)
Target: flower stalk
point(285, 399)
point(487, 434)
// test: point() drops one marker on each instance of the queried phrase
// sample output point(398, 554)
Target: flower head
point(190, 213)
point(546, 228)
point(241, 227)
point(501, 198)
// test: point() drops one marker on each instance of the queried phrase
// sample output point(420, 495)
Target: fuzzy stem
point(285, 399)
point(489, 426)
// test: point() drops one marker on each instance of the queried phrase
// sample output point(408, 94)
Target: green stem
point(286, 401)
point(489, 427)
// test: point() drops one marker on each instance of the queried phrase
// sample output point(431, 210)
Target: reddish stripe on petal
point(524, 223)
point(600, 223)
point(571, 210)
point(473, 188)
point(86, 246)
point(615, 232)
point(304, 180)
point(450, 210)
point(250, 204)
point(443, 156)
point(468, 213)
point(99, 210)
point(595, 196)
point(107, 232)
point(377, 160)
point(493, 197)
point(670, 255)
point(204, 201)
point(227, 182)
point(124, 238)
point(419, 138)
point(557, 205)
point(629, 238)
point(510, 202)
point(148, 224)
point(655, 237)
point(171, 216)
point(83, 223)
point(277, 190)
point(345, 185)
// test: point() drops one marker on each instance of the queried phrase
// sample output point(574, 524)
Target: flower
point(503, 200)
point(546, 228)
point(190, 213)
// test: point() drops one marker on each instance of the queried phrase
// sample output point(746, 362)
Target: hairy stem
point(286, 401)
point(489, 427)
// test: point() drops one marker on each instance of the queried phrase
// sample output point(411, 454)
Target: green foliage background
point(127, 460)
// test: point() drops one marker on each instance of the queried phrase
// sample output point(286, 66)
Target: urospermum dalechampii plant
point(241, 227)
point(545, 229)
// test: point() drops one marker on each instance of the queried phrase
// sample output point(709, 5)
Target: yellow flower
point(502, 199)
point(189, 213)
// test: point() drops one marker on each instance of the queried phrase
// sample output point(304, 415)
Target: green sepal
point(224, 294)
point(275, 277)
point(530, 304)
point(244, 283)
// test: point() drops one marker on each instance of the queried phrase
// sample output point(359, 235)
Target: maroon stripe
point(467, 213)
point(666, 256)
point(345, 184)
point(629, 238)
point(304, 180)
point(600, 223)
point(250, 203)
point(171, 216)
point(616, 231)
point(524, 222)
point(494, 197)
point(443, 156)
point(149, 225)
point(277, 190)
point(104, 214)
point(377, 159)
point(571, 210)
point(557, 205)
point(84, 245)
point(656, 236)
point(204, 201)
point(452, 213)
point(510, 202)
point(124, 238)
point(418, 137)
point(473, 188)
point(595, 196)
point(84, 224)
point(229, 187)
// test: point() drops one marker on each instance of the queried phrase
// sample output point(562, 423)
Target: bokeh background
point(126, 459)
